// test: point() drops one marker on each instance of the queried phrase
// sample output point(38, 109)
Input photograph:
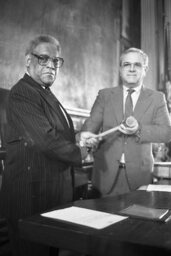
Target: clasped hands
point(128, 127)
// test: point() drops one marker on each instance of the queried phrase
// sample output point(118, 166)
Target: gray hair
point(143, 54)
point(42, 39)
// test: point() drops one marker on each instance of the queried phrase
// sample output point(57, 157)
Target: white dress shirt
point(135, 95)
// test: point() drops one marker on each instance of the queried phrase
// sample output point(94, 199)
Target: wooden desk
point(128, 237)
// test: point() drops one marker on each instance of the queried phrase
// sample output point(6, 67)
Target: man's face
point(132, 69)
point(43, 74)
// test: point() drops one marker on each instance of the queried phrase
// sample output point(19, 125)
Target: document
point(144, 212)
point(86, 217)
point(164, 188)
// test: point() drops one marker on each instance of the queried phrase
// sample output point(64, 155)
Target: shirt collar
point(137, 89)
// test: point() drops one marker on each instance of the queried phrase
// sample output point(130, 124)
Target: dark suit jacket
point(40, 152)
point(107, 112)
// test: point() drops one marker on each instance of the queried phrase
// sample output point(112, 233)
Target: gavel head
point(130, 121)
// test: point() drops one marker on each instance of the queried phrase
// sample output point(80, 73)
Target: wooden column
point(148, 40)
point(168, 36)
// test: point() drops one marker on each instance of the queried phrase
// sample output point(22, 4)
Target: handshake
point(90, 140)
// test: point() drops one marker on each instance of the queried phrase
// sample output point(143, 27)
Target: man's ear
point(27, 60)
point(146, 69)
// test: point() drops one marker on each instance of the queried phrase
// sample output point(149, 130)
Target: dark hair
point(143, 54)
point(42, 39)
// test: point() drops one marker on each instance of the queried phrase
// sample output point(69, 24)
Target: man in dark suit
point(123, 160)
point(40, 142)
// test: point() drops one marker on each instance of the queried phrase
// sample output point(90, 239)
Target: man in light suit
point(123, 160)
point(40, 143)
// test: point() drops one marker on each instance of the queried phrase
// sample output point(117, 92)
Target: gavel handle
point(103, 134)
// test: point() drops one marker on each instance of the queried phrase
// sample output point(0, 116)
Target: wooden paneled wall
point(167, 10)
point(89, 31)
point(148, 40)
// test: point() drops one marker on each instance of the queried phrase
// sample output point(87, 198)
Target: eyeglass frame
point(39, 57)
point(136, 65)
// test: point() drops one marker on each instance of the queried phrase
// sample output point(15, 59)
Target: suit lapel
point(71, 127)
point(117, 103)
point(142, 103)
point(53, 103)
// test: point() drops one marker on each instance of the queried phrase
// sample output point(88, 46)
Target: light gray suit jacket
point(107, 112)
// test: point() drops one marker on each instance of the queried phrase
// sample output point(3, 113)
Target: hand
point(89, 140)
point(129, 127)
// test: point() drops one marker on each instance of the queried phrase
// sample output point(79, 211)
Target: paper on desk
point(86, 217)
point(164, 188)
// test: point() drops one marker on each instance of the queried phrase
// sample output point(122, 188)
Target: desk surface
point(129, 237)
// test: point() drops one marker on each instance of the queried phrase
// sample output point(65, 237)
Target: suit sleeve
point(94, 122)
point(160, 128)
point(27, 115)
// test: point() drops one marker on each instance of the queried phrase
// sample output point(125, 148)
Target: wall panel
point(88, 30)
point(149, 40)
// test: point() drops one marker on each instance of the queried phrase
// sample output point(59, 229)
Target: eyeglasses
point(43, 60)
point(128, 65)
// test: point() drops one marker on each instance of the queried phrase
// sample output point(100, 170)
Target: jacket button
point(28, 168)
point(25, 144)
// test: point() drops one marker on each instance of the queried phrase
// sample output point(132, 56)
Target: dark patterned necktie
point(129, 104)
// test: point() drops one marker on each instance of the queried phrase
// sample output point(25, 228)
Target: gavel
point(129, 122)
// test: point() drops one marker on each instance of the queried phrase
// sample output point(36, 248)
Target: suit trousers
point(121, 184)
